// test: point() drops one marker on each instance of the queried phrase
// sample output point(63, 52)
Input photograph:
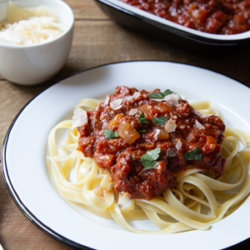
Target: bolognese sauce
point(212, 16)
point(144, 139)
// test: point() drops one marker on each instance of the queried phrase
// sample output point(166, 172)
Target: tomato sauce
point(144, 141)
point(212, 16)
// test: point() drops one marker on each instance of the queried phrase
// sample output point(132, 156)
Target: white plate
point(24, 154)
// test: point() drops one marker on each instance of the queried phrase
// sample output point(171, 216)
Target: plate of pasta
point(135, 155)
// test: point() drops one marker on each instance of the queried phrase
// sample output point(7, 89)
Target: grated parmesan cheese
point(170, 126)
point(80, 118)
point(198, 125)
point(116, 104)
point(173, 99)
point(157, 132)
point(26, 26)
point(133, 111)
point(178, 144)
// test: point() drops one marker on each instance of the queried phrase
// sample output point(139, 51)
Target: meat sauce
point(212, 16)
point(130, 126)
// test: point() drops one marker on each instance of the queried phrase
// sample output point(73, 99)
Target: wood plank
point(18, 96)
point(86, 9)
point(16, 231)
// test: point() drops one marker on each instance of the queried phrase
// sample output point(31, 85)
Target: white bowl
point(33, 64)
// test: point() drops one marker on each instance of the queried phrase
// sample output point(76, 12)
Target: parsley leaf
point(148, 164)
point(148, 160)
point(142, 119)
point(168, 92)
point(141, 131)
point(160, 95)
point(109, 133)
point(152, 155)
point(160, 120)
point(157, 95)
point(193, 155)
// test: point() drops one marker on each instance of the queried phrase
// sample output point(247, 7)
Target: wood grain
point(97, 40)
point(86, 9)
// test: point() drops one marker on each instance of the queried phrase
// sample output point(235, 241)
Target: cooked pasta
point(197, 201)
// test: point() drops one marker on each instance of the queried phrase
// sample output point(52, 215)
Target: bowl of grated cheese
point(35, 40)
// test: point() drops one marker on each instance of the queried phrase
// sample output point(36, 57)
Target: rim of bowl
point(118, 4)
point(71, 24)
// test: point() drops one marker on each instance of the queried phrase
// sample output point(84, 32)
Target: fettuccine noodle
point(196, 202)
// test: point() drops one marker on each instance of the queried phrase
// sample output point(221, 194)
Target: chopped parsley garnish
point(141, 131)
point(160, 120)
point(110, 133)
point(160, 95)
point(148, 160)
point(193, 155)
point(142, 119)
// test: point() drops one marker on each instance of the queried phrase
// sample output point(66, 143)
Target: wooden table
point(97, 40)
